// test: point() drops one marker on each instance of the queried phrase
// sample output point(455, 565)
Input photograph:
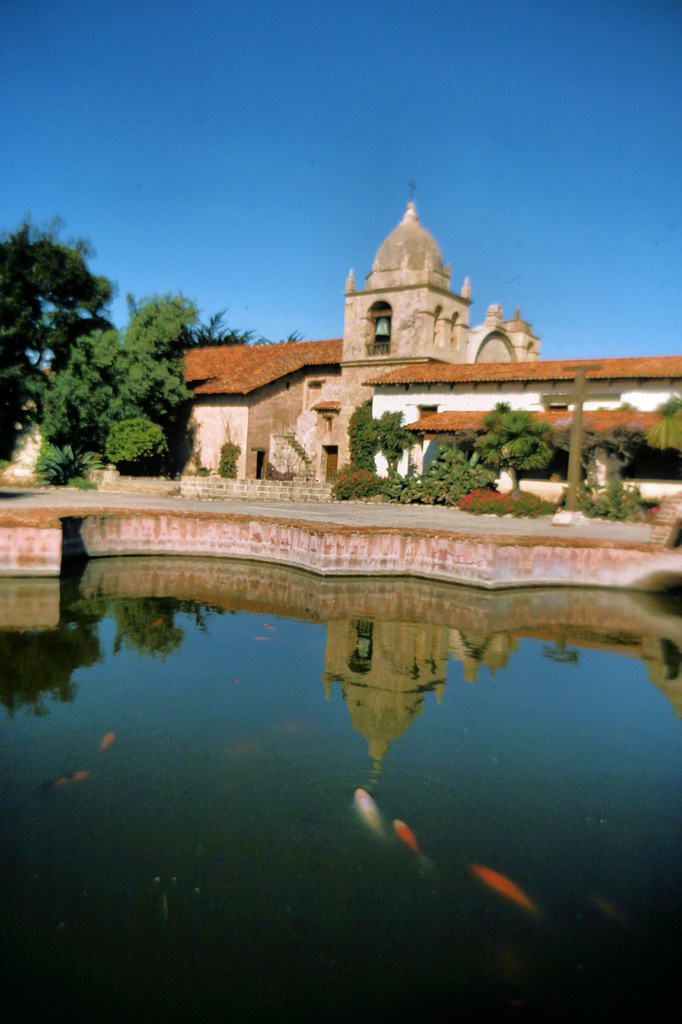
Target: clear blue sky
point(248, 155)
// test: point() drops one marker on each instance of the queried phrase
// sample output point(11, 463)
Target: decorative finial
point(350, 283)
point(412, 187)
point(517, 315)
point(446, 271)
point(466, 289)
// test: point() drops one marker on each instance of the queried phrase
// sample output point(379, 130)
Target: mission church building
point(408, 347)
point(288, 406)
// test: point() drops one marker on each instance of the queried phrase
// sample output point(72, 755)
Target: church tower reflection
point(385, 668)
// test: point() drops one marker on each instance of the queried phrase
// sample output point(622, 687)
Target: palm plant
point(515, 441)
point(667, 433)
point(216, 332)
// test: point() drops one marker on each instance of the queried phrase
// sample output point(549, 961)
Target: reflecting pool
point(182, 743)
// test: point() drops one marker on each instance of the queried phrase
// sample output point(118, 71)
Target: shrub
point(452, 475)
point(356, 483)
point(136, 444)
point(615, 501)
point(362, 438)
point(487, 502)
point(61, 466)
point(229, 453)
point(276, 474)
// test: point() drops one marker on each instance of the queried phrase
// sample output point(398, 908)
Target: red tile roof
point(599, 420)
point(639, 368)
point(239, 369)
point(327, 407)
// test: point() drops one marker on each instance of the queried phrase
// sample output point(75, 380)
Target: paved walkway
point(347, 513)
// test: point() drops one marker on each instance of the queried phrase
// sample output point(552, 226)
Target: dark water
point(209, 863)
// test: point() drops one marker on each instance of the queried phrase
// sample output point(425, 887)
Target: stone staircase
point(666, 529)
point(300, 450)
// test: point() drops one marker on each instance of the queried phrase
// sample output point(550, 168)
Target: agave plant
point(60, 466)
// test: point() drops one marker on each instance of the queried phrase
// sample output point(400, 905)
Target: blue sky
point(248, 155)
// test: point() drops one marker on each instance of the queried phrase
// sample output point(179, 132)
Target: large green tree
point(111, 377)
point(49, 300)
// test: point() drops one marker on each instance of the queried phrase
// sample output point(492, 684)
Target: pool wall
point(35, 546)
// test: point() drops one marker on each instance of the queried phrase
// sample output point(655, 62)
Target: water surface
point(210, 864)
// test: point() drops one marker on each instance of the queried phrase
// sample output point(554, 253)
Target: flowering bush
point(356, 483)
point(276, 474)
point(487, 502)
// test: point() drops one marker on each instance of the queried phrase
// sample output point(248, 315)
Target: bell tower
point(406, 312)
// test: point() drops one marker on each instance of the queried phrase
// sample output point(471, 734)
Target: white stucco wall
point(535, 398)
point(213, 419)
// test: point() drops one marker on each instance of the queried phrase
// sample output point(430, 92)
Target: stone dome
point(409, 247)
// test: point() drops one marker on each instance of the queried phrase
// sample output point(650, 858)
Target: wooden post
point(576, 434)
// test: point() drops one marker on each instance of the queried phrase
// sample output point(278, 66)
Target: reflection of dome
point(409, 247)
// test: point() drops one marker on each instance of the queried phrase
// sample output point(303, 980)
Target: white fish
point(368, 810)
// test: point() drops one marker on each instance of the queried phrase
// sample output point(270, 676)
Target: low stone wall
point(218, 487)
point(109, 480)
point(30, 548)
point(33, 545)
point(337, 550)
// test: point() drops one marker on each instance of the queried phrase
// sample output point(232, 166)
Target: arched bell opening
point(380, 315)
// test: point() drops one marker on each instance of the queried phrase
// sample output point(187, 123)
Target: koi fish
point(107, 740)
point(266, 625)
point(504, 886)
point(157, 623)
point(608, 909)
point(367, 810)
point(64, 780)
point(407, 835)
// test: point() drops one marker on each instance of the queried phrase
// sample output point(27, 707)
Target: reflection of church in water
point(386, 668)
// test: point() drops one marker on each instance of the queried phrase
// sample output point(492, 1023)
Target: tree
point(153, 344)
point(215, 332)
point(111, 377)
point(393, 439)
point(515, 441)
point(48, 301)
point(667, 433)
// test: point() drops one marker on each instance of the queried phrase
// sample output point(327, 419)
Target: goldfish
point(504, 886)
point(64, 780)
point(407, 835)
point(367, 810)
point(107, 740)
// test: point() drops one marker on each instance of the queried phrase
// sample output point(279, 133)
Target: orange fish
point(158, 622)
point(267, 626)
point(499, 884)
point(406, 834)
point(71, 777)
point(367, 810)
point(107, 740)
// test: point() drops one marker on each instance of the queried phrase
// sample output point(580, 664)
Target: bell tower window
point(380, 315)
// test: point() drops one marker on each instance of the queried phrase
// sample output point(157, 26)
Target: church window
point(380, 315)
point(438, 326)
point(427, 410)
